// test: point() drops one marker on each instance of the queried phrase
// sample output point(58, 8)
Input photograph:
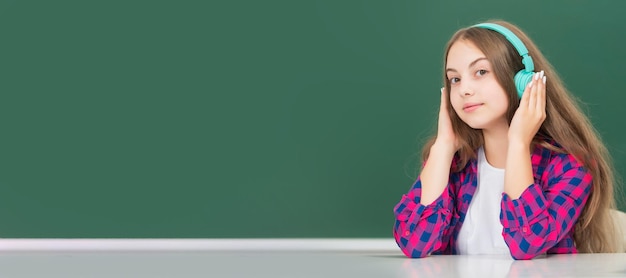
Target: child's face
point(475, 93)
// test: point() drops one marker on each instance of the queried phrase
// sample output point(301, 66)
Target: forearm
point(544, 214)
point(420, 230)
point(436, 173)
point(518, 173)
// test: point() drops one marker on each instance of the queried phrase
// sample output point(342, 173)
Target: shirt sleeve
point(542, 216)
point(420, 230)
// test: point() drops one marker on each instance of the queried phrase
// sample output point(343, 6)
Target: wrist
point(517, 140)
point(442, 149)
point(518, 146)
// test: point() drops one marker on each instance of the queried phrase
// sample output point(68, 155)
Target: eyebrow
point(470, 65)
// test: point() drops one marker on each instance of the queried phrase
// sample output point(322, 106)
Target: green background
point(197, 119)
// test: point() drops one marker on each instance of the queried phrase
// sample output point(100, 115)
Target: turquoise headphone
point(524, 76)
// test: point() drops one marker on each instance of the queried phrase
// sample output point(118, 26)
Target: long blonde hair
point(565, 123)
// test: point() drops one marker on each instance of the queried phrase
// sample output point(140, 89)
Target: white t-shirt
point(481, 231)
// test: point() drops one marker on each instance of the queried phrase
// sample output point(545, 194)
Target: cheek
point(502, 99)
point(457, 103)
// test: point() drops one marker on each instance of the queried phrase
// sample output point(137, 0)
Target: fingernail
point(536, 76)
point(541, 73)
point(441, 90)
point(544, 80)
point(530, 85)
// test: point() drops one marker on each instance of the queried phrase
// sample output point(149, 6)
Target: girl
point(520, 176)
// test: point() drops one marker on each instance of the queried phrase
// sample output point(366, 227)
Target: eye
point(454, 80)
point(481, 72)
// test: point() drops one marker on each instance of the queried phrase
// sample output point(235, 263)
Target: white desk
point(287, 261)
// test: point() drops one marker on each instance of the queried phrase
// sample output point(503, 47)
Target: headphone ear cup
point(521, 79)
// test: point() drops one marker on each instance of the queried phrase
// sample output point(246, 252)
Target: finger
point(526, 94)
point(444, 100)
point(541, 96)
point(531, 100)
point(536, 91)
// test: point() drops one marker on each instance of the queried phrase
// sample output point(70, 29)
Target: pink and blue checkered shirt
point(540, 221)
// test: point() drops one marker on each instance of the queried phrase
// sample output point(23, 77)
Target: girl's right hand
point(446, 137)
point(435, 174)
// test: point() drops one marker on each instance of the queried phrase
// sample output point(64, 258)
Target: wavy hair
point(565, 123)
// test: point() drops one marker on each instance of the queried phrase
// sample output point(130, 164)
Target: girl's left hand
point(531, 111)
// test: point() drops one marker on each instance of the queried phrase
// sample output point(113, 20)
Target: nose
point(466, 89)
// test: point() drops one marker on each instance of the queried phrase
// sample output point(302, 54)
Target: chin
point(475, 124)
point(481, 123)
point(476, 127)
point(484, 125)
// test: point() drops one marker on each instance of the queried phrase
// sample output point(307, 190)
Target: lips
point(468, 107)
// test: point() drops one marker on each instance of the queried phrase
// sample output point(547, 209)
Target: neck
point(496, 145)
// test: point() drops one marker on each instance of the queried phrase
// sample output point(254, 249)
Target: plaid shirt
point(539, 221)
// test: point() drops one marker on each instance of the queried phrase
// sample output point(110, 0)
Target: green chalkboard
point(212, 119)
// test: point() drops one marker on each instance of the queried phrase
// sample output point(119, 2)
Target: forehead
point(462, 53)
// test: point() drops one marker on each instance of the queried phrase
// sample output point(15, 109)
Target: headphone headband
point(524, 76)
point(514, 40)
